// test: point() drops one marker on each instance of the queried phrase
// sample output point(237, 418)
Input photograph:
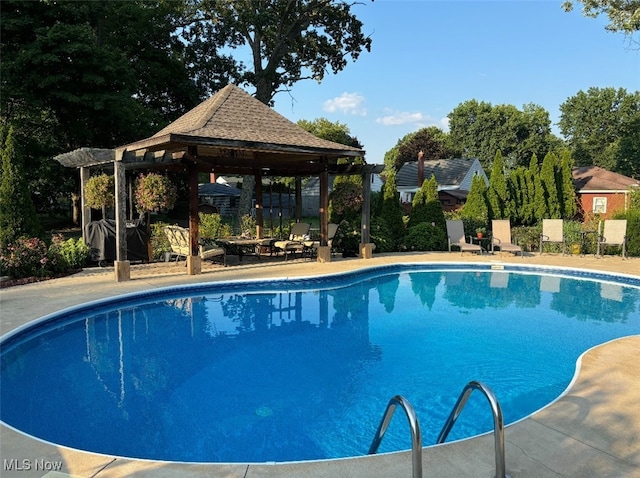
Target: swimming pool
point(179, 373)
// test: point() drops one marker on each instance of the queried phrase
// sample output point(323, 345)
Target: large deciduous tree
point(432, 141)
point(285, 42)
point(480, 129)
point(595, 124)
point(624, 15)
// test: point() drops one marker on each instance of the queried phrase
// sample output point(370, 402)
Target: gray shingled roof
point(447, 172)
point(233, 115)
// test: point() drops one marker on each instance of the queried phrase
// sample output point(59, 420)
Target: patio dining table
point(244, 247)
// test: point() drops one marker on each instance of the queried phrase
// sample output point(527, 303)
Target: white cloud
point(348, 103)
point(419, 120)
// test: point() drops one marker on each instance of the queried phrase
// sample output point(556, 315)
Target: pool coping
point(548, 443)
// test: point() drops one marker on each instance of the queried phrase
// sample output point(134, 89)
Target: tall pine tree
point(392, 210)
point(498, 194)
point(17, 212)
point(568, 205)
point(548, 173)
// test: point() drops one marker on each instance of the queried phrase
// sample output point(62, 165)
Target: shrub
point(73, 253)
point(155, 192)
point(99, 191)
point(347, 239)
point(381, 236)
point(247, 226)
point(159, 242)
point(425, 237)
point(28, 257)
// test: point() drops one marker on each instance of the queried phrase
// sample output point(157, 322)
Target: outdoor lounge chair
point(456, 237)
point(312, 246)
point(501, 237)
point(179, 240)
point(299, 234)
point(552, 232)
point(612, 232)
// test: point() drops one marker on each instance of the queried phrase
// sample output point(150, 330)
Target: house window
point(600, 205)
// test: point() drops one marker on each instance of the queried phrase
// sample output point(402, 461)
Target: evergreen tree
point(568, 204)
point(498, 195)
point(536, 191)
point(17, 212)
point(550, 186)
point(475, 207)
point(434, 212)
point(418, 208)
point(518, 193)
point(392, 210)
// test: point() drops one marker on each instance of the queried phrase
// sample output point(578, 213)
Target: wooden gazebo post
point(366, 248)
point(121, 265)
point(194, 262)
point(324, 251)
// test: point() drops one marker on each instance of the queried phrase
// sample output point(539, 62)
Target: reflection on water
point(305, 374)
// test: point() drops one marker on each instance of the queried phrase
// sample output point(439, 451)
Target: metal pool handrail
point(416, 438)
point(498, 425)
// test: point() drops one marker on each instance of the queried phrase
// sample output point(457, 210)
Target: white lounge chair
point(612, 232)
point(501, 237)
point(312, 246)
point(456, 237)
point(552, 232)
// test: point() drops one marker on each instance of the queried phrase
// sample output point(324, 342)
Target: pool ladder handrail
point(416, 437)
point(498, 423)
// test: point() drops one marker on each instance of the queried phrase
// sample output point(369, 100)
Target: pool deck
point(592, 430)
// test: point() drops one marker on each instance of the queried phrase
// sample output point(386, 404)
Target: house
point(602, 192)
point(454, 177)
point(222, 196)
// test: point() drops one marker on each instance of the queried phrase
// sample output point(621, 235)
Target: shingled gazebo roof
point(229, 133)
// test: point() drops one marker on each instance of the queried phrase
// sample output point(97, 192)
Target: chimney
point(212, 178)
point(420, 168)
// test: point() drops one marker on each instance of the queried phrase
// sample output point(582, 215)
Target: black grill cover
point(101, 238)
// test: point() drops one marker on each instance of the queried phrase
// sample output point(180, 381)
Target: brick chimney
point(420, 168)
point(212, 178)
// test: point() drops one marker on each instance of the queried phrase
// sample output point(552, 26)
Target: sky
point(427, 57)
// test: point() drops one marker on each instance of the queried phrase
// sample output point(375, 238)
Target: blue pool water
point(303, 369)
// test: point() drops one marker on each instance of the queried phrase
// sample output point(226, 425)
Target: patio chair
point(552, 232)
point(456, 237)
point(179, 240)
point(501, 237)
point(312, 246)
point(612, 232)
point(299, 234)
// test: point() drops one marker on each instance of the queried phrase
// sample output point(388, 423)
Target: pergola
point(229, 133)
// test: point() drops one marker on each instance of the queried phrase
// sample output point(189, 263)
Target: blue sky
point(427, 57)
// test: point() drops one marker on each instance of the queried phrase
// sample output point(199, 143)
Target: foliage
point(421, 209)
point(28, 257)
point(480, 129)
point(476, 205)
point(381, 236)
point(17, 212)
point(550, 187)
point(74, 253)
point(331, 131)
point(391, 212)
point(627, 155)
point(498, 193)
point(159, 240)
point(155, 192)
point(345, 201)
point(432, 141)
point(247, 226)
point(211, 226)
point(596, 122)
point(347, 239)
point(623, 16)
point(633, 230)
point(99, 191)
point(425, 237)
point(567, 197)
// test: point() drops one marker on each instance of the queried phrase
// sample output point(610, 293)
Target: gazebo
point(229, 133)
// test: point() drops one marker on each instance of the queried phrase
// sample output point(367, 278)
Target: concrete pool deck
point(592, 430)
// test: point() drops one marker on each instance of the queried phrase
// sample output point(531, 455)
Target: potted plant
point(155, 192)
point(99, 192)
point(480, 232)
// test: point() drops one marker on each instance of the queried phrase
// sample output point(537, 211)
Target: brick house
point(602, 192)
